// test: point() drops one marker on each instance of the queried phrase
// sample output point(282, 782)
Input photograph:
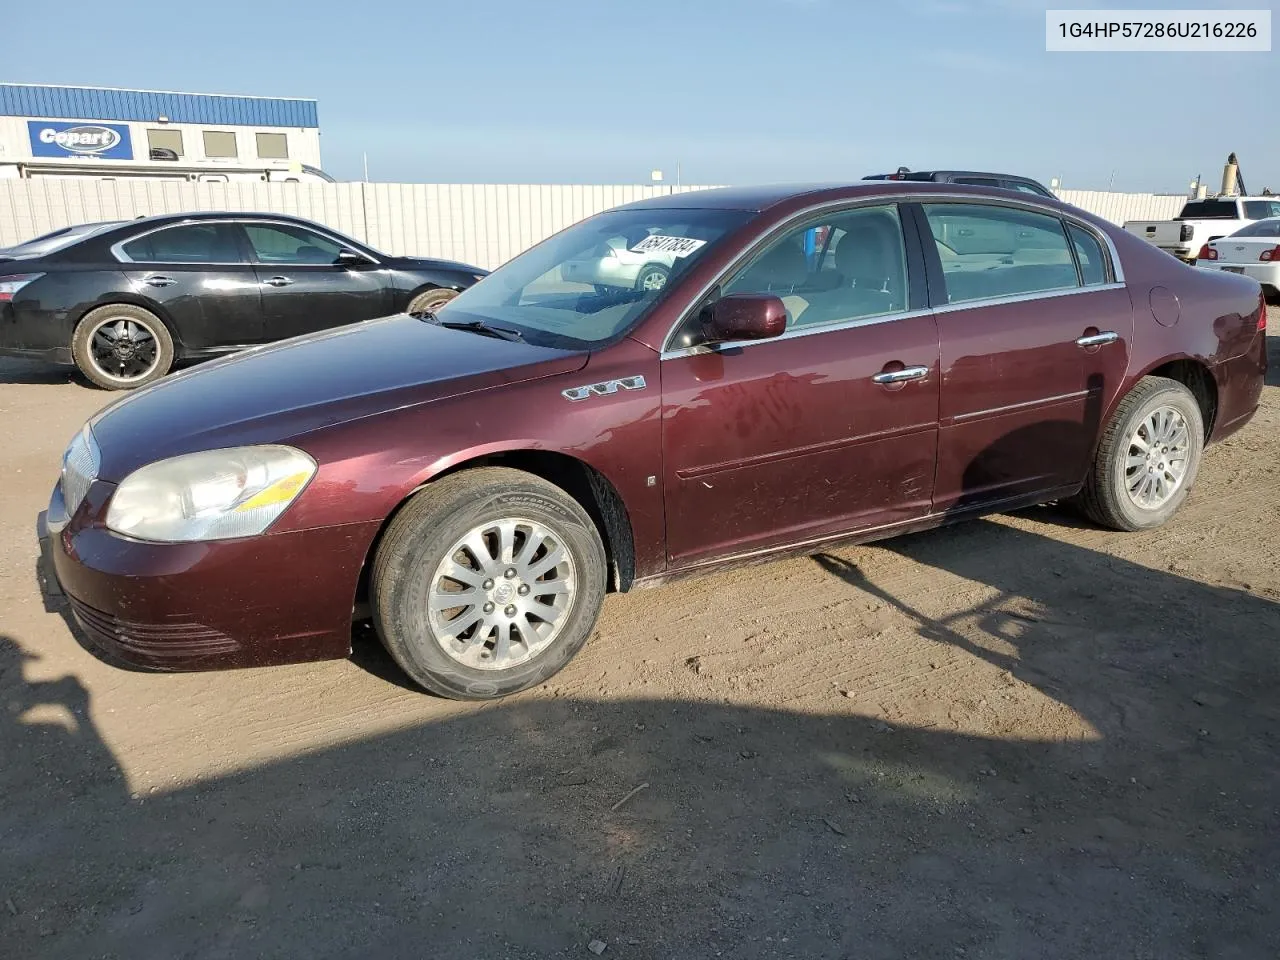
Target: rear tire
point(122, 346)
point(485, 535)
point(1147, 459)
point(429, 301)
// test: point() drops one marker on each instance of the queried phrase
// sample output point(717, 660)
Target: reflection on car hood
point(281, 391)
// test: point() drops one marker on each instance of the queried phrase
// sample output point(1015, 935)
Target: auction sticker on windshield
point(676, 246)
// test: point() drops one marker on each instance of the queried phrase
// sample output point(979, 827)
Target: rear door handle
point(1098, 339)
point(278, 282)
point(159, 281)
point(899, 376)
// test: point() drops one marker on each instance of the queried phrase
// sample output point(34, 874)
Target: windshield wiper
point(474, 326)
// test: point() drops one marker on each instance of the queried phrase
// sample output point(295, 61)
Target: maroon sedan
point(817, 365)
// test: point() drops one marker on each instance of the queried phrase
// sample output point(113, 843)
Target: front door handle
point(1098, 339)
point(278, 282)
point(159, 281)
point(900, 376)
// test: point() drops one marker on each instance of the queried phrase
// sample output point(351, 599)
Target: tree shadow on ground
point(761, 833)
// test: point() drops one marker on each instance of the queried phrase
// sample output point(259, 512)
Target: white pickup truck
point(1201, 221)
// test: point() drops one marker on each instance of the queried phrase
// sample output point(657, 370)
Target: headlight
point(79, 469)
point(215, 495)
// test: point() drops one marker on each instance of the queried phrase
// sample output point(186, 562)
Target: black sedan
point(124, 300)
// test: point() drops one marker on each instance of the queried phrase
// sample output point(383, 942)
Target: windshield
point(1263, 228)
point(49, 242)
point(592, 281)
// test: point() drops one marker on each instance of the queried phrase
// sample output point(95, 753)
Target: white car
point(1253, 251)
point(633, 263)
point(1203, 221)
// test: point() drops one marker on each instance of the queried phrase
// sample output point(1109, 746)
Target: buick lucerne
point(819, 364)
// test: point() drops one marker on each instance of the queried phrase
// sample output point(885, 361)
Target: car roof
point(166, 218)
point(758, 199)
point(953, 173)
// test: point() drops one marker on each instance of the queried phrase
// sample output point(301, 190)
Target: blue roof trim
point(95, 103)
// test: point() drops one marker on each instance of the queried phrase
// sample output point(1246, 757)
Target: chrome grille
point(79, 469)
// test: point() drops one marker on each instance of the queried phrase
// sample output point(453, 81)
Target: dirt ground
point(1021, 737)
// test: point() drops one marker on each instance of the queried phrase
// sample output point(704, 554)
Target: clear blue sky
point(737, 91)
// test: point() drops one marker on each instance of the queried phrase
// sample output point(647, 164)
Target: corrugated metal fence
point(1119, 207)
point(482, 224)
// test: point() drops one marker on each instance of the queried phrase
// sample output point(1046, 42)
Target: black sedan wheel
point(430, 301)
point(487, 582)
point(121, 346)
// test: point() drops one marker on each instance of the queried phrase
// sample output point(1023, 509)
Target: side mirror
point(349, 258)
point(746, 316)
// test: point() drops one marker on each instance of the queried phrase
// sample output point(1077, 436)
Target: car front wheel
point(487, 582)
point(430, 301)
point(1147, 459)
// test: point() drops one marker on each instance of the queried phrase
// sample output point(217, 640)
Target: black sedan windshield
point(593, 281)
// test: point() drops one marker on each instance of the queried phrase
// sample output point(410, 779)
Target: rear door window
point(991, 251)
point(189, 243)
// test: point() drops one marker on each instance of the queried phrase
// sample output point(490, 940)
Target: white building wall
point(481, 224)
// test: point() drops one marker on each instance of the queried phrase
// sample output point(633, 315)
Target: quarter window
point(190, 243)
point(847, 266)
point(165, 140)
point(220, 143)
point(273, 146)
point(1093, 268)
point(285, 243)
point(990, 251)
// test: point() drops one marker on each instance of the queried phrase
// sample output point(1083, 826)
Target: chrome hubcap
point(653, 280)
point(1156, 463)
point(123, 349)
point(502, 594)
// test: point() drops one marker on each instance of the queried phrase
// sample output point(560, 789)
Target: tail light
point(1262, 312)
point(1270, 256)
point(1188, 231)
point(1207, 253)
point(9, 286)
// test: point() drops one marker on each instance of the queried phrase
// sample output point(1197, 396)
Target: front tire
point(122, 346)
point(652, 276)
point(1147, 459)
point(429, 301)
point(486, 583)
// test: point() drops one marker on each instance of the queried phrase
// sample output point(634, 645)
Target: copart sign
point(107, 141)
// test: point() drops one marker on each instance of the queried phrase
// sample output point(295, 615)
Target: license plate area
point(1233, 269)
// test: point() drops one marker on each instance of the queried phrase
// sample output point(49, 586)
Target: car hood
point(281, 391)
point(430, 263)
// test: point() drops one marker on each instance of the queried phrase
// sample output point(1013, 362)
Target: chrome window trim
point(795, 333)
point(1015, 201)
point(117, 248)
point(1024, 297)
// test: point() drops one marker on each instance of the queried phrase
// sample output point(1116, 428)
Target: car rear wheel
point(487, 582)
point(1147, 459)
point(429, 301)
point(122, 346)
point(652, 276)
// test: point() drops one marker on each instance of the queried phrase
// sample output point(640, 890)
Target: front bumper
point(284, 598)
point(605, 271)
